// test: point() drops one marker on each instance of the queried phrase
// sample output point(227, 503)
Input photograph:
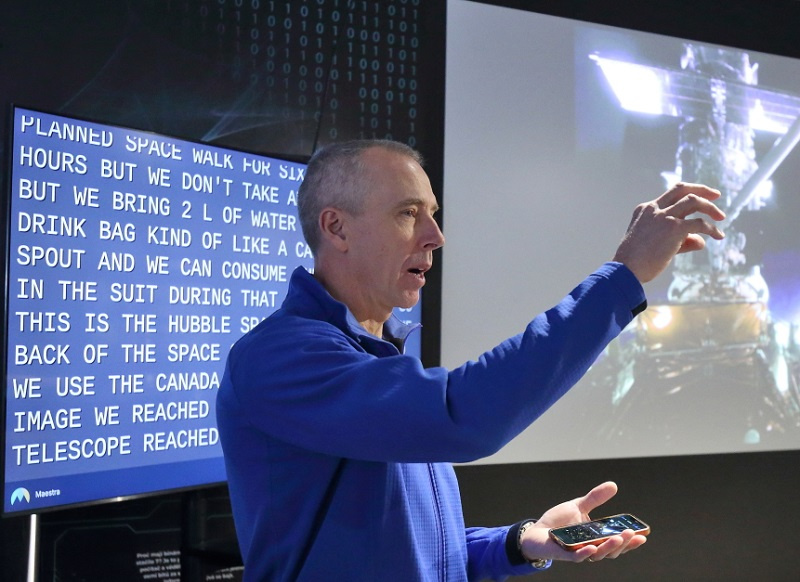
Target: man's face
point(393, 239)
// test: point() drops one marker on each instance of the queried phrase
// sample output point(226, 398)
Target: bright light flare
point(639, 88)
point(662, 316)
point(760, 120)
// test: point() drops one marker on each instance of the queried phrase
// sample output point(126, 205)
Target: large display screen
point(568, 126)
point(134, 261)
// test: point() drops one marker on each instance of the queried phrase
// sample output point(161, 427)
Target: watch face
point(541, 564)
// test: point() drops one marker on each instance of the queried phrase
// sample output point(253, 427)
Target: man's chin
point(409, 300)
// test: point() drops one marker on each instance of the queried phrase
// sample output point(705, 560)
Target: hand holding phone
point(595, 532)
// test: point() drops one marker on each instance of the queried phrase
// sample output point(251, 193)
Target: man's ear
point(332, 227)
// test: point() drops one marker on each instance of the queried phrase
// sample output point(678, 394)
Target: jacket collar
point(307, 297)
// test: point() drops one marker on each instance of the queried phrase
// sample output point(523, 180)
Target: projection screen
point(555, 130)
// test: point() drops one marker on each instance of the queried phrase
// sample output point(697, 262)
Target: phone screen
point(582, 533)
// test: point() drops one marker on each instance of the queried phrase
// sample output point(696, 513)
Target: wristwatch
point(538, 563)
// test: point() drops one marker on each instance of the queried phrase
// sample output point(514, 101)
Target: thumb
point(596, 497)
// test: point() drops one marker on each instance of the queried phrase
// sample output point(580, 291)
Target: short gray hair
point(335, 177)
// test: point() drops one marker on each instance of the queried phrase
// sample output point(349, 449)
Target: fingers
point(692, 203)
point(682, 189)
point(613, 547)
point(686, 199)
point(700, 226)
point(660, 229)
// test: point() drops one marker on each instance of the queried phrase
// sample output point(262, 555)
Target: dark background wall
point(247, 74)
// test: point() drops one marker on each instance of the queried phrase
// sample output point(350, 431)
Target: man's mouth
point(418, 272)
point(419, 269)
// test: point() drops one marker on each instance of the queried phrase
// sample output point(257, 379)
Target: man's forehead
point(394, 171)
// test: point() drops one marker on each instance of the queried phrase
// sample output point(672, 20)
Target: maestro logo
point(20, 494)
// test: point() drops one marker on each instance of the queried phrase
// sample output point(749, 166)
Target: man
point(338, 447)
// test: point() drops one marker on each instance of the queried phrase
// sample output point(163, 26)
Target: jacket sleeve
point(487, 555)
point(311, 385)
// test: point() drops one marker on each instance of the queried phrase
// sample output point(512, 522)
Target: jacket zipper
point(439, 519)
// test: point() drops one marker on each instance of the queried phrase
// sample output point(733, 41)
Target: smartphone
point(597, 531)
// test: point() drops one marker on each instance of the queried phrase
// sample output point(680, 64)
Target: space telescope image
point(723, 339)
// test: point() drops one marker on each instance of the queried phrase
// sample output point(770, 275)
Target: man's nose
point(434, 238)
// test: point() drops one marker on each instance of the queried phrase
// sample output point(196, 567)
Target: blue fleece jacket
point(338, 447)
